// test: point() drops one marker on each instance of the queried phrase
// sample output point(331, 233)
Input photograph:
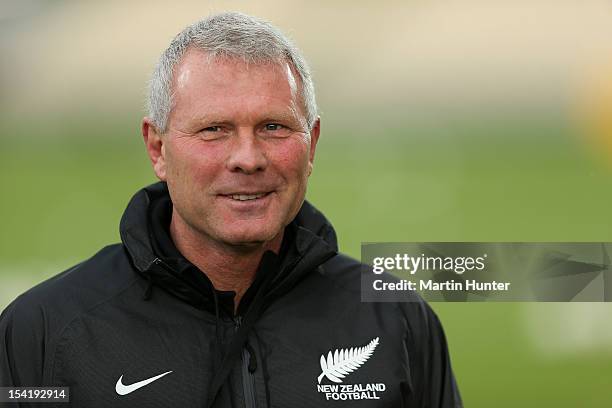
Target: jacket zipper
point(248, 379)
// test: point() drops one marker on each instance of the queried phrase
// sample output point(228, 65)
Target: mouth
point(246, 196)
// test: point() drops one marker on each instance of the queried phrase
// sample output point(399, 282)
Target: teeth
point(244, 197)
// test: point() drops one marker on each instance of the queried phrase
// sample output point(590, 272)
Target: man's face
point(237, 153)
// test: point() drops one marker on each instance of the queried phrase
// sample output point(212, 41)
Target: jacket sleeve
point(21, 345)
point(434, 382)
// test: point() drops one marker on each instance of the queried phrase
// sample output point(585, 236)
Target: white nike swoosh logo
point(126, 389)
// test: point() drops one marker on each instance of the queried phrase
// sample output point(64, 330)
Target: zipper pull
point(252, 366)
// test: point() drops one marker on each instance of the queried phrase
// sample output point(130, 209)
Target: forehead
point(205, 83)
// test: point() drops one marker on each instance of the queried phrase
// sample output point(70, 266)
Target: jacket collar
point(314, 243)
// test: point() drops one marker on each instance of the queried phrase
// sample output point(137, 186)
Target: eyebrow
point(286, 115)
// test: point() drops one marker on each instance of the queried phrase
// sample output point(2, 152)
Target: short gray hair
point(233, 35)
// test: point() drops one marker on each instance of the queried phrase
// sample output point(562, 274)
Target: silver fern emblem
point(342, 362)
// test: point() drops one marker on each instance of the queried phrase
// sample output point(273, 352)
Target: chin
point(248, 237)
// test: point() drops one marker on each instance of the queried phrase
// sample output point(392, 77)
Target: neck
point(229, 267)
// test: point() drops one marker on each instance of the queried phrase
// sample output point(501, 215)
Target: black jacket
point(300, 338)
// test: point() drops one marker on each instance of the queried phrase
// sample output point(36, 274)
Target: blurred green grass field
point(62, 201)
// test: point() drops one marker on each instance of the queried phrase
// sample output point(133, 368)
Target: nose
point(247, 154)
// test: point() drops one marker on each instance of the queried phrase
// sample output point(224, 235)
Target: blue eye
point(211, 129)
point(273, 126)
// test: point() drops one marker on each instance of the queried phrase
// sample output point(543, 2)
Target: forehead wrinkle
point(253, 114)
point(253, 107)
point(198, 59)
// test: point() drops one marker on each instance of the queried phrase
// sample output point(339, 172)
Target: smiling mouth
point(246, 197)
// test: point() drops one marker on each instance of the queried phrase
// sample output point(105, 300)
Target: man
point(227, 289)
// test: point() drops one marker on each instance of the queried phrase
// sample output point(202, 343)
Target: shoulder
point(353, 278)
point(343, 270)
point(351, 275)
point(54, 302)
point(33, 324)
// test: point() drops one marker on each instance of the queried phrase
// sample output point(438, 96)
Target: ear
point(314, 138)
point(155, 148)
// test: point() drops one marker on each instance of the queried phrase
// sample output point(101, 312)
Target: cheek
point(190, 163)
point(292, 158)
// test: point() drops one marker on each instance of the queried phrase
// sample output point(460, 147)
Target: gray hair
point(233, 35)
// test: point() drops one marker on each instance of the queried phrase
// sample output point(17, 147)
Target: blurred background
point(466, 120)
